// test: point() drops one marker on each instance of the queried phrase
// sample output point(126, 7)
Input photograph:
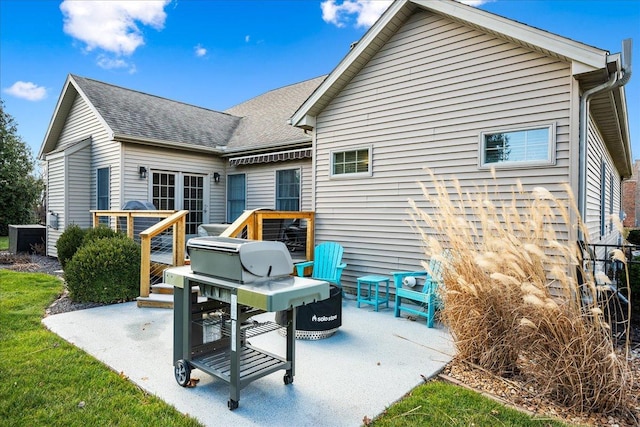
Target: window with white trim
point(288, 190)
point(351, 162)
point(518, 147)
point(102, 192)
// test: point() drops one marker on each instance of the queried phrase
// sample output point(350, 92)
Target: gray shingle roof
point(264, 118)
point(140, 115)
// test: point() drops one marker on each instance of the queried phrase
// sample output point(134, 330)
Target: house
point(631, 198)
point(107, 145)
point(445, 86)
point(433, 84)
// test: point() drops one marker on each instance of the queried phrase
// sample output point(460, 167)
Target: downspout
point(617, 79)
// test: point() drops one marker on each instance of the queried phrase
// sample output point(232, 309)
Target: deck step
point(156, 300)
point(163, 299)
point(162, 288)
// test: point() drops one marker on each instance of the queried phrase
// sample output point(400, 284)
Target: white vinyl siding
point(261, 183)
point(173, 161)
point(68, 190)
point(603, 190)
point(83, 122)
point(55, 201)
point(421, 102)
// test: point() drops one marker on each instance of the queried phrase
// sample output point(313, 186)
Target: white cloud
point(111, 63)
point(112, 25)
point(200, 51)
point(247, 38)
point(363, 13)
point(27, 90)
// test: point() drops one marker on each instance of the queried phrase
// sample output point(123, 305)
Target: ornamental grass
point(516, 295)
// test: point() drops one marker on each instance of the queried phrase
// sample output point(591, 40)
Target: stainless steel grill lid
point(258, 259)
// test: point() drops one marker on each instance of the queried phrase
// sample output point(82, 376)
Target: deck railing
point(294, 228)
point(162, 235)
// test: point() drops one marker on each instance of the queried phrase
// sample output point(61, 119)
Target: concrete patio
point(371, 362)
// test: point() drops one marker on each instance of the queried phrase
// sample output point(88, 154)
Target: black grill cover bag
point(318, 316)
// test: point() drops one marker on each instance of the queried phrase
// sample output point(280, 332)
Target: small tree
point(19, 189)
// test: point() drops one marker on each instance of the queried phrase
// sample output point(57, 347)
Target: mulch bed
point(514, 392)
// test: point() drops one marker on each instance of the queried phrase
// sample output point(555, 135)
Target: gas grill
point(239, 279)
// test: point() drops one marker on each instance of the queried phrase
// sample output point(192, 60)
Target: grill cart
point(240, 279)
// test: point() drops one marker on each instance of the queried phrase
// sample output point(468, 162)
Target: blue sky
point(216, 54)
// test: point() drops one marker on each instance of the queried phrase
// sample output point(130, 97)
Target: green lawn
point(46, 381)
point(441, 404)
point(4, 243)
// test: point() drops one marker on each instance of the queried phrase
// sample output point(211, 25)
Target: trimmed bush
point(634, 237)
point(69, 242)
point(101, 232)
point(106, 270)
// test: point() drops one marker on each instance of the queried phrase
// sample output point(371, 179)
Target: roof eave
point(168, 144)
point(584, 58)
point(300, 143)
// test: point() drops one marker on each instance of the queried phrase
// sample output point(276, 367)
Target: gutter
point(617, 79)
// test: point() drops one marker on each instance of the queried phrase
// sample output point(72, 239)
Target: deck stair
point(161, 296)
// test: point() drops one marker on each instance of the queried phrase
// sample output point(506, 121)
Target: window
point(164, 191)
point(102, 192)
point(288, 190)
point(236, 196)
point(354, 162)
point(518, 147)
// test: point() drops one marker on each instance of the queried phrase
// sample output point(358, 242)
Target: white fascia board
point(576, 51)
point(92, 108)
point(166, 144)
point(302, 112)
point(61, 97)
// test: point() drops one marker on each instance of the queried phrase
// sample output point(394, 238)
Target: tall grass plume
point(516, 296)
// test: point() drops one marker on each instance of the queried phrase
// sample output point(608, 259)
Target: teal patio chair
point(426, 297)
point(327, 263)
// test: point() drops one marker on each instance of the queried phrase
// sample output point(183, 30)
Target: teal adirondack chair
point(426, 297)
point(327, 263)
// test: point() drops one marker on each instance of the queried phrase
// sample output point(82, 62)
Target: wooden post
point(130, 225)
point(145, 265)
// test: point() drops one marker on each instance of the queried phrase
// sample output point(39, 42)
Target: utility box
point(23, 238)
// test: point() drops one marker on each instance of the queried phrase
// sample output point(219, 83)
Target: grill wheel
point(182, 372)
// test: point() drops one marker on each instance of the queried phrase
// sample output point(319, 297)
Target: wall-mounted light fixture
point(143, 172)
point(216, 177)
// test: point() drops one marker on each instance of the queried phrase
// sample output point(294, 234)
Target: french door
point(178, 190)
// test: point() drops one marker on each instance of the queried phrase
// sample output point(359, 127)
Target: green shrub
point(69, 242)
point(634, 237)
point(106, 270)
point(101, 232)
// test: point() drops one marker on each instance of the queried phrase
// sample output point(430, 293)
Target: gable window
point(519, 147)
point(352, 162)
point(288, 190)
